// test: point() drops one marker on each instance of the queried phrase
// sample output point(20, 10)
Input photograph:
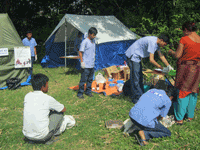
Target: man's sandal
point(140, 141)
point(180, 124)
point(189, 120)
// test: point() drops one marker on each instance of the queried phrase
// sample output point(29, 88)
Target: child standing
point(87, 58)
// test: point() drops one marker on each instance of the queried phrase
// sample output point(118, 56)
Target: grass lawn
point(90, 115)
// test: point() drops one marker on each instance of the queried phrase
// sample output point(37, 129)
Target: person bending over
point(143, 48)
point(151, 105)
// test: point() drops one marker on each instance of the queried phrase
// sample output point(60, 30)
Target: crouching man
point(151, 105)
point(43, 115)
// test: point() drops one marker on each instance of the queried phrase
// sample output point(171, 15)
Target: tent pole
point(95, 54)
point(65, 43)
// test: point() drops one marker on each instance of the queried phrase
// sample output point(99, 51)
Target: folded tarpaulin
point(106, 91)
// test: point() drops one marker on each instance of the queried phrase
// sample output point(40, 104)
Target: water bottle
point(97, 87)
point(125, 63)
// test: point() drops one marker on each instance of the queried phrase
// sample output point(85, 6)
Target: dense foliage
point(141, 16)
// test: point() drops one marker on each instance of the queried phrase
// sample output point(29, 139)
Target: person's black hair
point(164, 37)
point(28, 31)
point(172, 91)
point(92, 30)
point(190, 26)
point(39, 80)
point(162, 85)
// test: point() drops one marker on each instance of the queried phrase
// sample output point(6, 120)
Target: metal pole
point(65, 43)
point(95, 54)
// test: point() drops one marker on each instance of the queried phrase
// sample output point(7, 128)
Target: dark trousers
point(158, 131)
point(55, 121)
point(136, 79)
point(86, 76)
point(31, 68)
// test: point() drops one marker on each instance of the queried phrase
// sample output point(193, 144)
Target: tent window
point(69, 47)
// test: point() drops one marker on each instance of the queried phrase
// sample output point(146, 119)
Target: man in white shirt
point(43, 115)
point(142, 48)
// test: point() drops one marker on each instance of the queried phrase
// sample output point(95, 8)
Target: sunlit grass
point(90, 115)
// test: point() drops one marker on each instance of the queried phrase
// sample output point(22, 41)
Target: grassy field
point(90, 114)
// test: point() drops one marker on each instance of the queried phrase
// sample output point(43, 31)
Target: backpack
point(127, 88)
point(13, 83)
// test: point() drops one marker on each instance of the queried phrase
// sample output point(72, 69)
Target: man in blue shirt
point(142, 48)
point(77, 42)
point(87, 58)
point(152, 104)
point(30, 41)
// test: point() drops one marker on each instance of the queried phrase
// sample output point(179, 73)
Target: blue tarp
point(107, 54)
point(111, 53)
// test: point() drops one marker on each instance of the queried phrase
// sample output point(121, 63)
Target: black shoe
point(81, 97)
point(90, 95)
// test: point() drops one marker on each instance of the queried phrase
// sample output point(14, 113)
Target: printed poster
point(3, 51)
point(22, 57)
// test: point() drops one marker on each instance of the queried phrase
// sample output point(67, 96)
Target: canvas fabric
point(9, 38)
point(110, 45)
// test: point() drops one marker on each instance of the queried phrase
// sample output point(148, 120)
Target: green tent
point(9, 38)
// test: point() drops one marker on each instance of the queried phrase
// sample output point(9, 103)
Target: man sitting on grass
point(43, 115)
point(151, 105)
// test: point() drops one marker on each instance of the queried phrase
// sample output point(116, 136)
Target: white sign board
point(22, 57)
point(3, 51)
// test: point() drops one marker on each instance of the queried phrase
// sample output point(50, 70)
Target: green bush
point(146, 24)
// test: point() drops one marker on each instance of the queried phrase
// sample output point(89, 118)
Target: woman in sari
point(188, 72)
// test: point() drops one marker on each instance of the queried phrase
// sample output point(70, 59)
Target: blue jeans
point(31, 68)
point(157, 132)
point(136, 79)
point(86, 76)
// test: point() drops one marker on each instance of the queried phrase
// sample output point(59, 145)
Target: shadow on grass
point(72, 72)
point(122, 97)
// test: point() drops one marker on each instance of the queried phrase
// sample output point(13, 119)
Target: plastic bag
point(167, 121)
point(67, 123)
point(127, 125)
point(120, 86)
point(99, 78)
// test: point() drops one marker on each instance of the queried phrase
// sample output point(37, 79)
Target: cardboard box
point(112, 70)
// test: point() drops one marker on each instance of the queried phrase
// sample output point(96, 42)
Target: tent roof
point(9, 38)
point(109, 27)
